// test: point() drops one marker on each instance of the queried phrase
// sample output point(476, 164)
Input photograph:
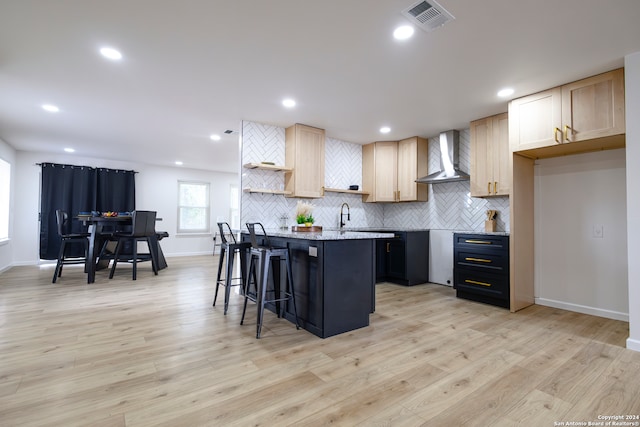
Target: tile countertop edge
point(327, 235)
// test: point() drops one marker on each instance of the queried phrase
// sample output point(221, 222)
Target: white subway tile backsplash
point(449, 207)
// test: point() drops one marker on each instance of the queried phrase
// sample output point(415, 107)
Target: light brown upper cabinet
point(304, 155)
point(490, 174)
point(390, 168)
point(585, 110)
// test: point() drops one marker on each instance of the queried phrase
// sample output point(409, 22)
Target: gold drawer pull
point(481, 242)
point(477, 259)
point(474, 282)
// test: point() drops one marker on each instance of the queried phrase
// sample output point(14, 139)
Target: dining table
point(97, 239)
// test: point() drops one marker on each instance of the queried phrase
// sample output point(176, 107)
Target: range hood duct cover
point(449, 161)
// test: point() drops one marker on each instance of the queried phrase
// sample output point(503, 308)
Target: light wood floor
point(155, 353)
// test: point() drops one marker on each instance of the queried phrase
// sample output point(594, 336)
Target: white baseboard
point(633, 344)
point(594, 311)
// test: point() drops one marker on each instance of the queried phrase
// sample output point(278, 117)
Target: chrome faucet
point(342, 214)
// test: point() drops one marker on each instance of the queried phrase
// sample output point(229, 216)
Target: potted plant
point(304, 213)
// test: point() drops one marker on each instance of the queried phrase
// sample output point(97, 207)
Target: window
point(234, 207)
point(193, 207)
point(5, 189)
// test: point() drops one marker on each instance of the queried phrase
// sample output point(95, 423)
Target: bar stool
point(263, 257)
point(230, 247)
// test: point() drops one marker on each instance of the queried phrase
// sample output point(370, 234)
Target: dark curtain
point(76, 189)
point(116, 190)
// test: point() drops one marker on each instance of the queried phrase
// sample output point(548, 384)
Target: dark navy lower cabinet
point(404, 259)
point(481, 268)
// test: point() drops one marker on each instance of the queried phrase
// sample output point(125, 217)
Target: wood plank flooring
point(155, 353)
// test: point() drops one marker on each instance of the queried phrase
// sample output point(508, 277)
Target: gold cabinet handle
point(489, 187)
point(495, 187)
point(567, 128)
point(555, 135)
point(388, 244)
point(478, 259)
point(481, 242)
point(475, 282)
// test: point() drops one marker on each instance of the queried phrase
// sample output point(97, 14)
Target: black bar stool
point(263, 255)
point(230, 247)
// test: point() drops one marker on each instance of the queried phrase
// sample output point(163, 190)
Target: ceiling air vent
point(428, 15)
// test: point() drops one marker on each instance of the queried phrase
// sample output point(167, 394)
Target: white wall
point(156, 189)
point(8, 154)
point(575, 268)
point(632, 99)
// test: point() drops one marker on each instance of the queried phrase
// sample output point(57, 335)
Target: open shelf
point(340, 190)
point(266, 191)
point(268, 167)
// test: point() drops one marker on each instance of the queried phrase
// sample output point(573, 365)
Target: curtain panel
point(77, 189)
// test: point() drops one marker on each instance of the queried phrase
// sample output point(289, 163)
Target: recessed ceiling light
point(385, 129)
point(403, 32)
point(503, 93)
point(289, 103)
point(179, 163)
point(69, 150)
point(215, 137)
point(111, 53)
point(50, 108)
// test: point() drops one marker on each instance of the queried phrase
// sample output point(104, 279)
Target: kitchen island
point(333, 275)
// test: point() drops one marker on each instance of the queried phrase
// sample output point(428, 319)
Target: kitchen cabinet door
point(412, 164)
point(304, 154)
point(594, 107)
point(535, 121)
point(490, 156)
point(379, 171)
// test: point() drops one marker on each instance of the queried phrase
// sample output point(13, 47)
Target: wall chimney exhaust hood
point(449, 171)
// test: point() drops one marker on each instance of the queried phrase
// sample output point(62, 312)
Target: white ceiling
point(196, 67)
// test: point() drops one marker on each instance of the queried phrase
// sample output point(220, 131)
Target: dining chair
point(62, 222)
point(143, 229)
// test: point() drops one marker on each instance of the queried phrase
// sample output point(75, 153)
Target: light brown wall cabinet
point(583, 116)
point(304, 155)
point(390, 168)
point(490, 174)
point(582, 111)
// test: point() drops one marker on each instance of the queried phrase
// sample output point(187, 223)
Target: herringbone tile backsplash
point(449, 207)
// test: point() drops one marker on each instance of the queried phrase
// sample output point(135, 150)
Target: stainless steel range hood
point(449, 171)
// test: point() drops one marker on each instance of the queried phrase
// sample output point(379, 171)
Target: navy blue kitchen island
point(334, 276)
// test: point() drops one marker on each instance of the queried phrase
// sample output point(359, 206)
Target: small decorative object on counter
point(490, 223)
point(304, 218)
point(304, 213)
point(284, 220)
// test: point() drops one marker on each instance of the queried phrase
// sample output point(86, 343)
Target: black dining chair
point(62, 221)
point(143, 229)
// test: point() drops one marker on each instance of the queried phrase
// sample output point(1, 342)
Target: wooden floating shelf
point(266, 191)
point(340, 190)
point(268, 167)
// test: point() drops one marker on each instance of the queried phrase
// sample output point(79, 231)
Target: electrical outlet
point(598, 231)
